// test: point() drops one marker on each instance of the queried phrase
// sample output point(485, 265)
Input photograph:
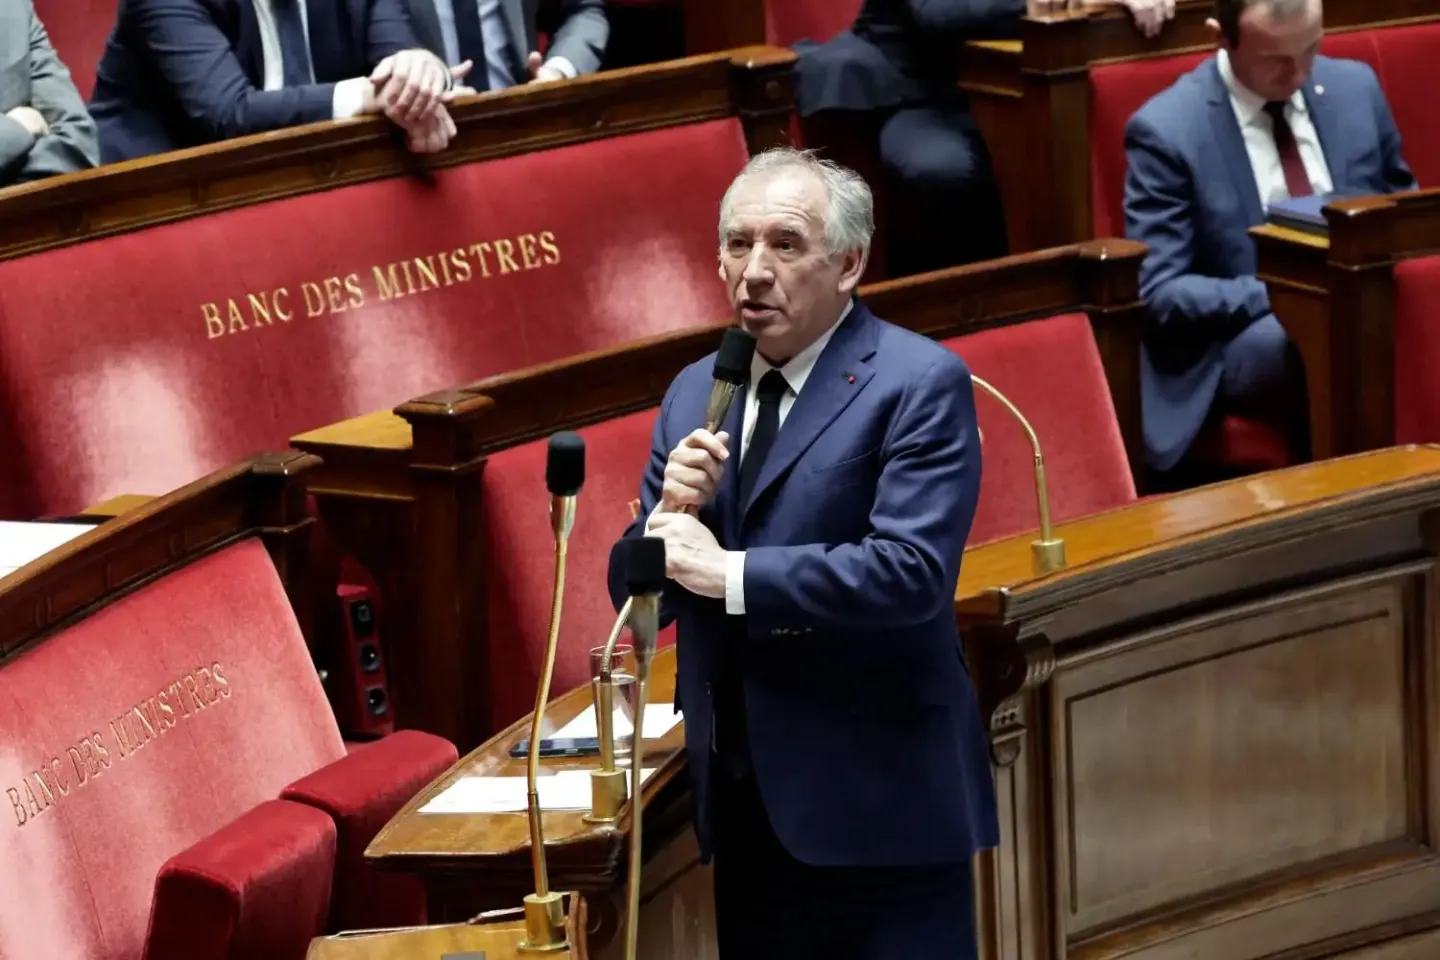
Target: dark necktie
point(767, 424)
point(294, 52)
point(1297, 181)
point(730, 726)
point(471, 41)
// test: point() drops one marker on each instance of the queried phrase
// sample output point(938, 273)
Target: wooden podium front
point(1214, 736)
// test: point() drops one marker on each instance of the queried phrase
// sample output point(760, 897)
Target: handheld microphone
point(732, 370)
point(645, 579)
point(564, 476)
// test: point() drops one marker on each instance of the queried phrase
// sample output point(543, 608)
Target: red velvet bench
point(438, 498)
point(176, 785)
point(216, 301)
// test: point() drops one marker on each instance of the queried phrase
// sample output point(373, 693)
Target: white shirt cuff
point(563, 66)
point(349, 98)
point(735, 582)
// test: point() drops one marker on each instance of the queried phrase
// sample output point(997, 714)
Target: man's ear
point(850, 270)
point(1212, 26)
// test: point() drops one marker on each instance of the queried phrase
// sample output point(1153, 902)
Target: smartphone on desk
point(563, 747)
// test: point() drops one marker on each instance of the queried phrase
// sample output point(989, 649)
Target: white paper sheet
point(564, 790)
point(660, 719)
point(21, 542)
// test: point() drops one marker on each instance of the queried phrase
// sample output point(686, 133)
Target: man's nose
point(757, 267)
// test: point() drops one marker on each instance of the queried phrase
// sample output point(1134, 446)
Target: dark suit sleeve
point(903, 573)
point(389, 31)
point(650, 483)
point(71, 143)
point(195, 57)
point(1160, 213)
point(976, 17)
point(1395, 171)
point(578, 32)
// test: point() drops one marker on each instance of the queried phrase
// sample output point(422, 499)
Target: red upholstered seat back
point(1417, 350)
point(137, 732)
point(787, 21)
point(1407, 58)
point(1050, 369)
point(139, 362)
point(78, 30)
point(1117, 90)
point(520, 565)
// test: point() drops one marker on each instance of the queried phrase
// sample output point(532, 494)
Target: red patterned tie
point(1297, 181)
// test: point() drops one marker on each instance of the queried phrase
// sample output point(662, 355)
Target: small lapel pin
point(1319, 90)
point(849, 378)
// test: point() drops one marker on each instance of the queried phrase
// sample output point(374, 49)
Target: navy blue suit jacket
point(1190, 195)
point(864, 732)
point(898, 52)
point(181, 73)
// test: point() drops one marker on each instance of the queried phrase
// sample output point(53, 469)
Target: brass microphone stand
point(545, 909)
point(646, 609)
point(1047, 553)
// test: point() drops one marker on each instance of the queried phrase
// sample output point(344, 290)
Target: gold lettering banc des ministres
point(120, 737)
point(383, 282)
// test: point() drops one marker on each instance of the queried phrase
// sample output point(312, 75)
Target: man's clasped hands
point(412, 87)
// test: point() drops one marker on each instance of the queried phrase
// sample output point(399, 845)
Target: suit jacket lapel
point(839, 375)
point(1329, 129)
point(1232, 146)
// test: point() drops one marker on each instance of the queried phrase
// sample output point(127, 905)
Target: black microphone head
point(732, 363)
point(645, 566)
point(565, 464)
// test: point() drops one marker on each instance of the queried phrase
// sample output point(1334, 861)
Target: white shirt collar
point(798, 369)
point(1249, 104)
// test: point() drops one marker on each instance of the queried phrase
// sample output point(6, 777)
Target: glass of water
point(625, 692)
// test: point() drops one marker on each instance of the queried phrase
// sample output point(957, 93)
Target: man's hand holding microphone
point(693, 557)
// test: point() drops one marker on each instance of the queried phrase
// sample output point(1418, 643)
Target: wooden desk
point(494, 938)
point(1213, 734)
point(1335, 296)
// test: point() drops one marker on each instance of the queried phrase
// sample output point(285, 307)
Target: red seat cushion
point(1417, 350)
point(1117, 90)
point(1050, 369)
point(389, 294)
point(1241, 445)
point(257, 887)
point(361, 792)
point(787, 21)
point(137, 732)
point(520, 565)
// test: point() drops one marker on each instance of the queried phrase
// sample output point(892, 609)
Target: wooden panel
point(1233, 752)
point(488, 938)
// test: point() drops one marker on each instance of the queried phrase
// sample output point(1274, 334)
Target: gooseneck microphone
point(1047, 554)
point(732, 370)
point(645, 581)
point(564, 476)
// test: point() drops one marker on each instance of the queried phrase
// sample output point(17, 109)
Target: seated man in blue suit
point(1265, 120)
point(838, 759)
point(181, 73)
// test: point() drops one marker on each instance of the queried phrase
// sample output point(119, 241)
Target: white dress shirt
point(349, 96)
point(497, 44)
point(1259, 133)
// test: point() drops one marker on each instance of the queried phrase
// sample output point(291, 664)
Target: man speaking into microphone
point(838, 759)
